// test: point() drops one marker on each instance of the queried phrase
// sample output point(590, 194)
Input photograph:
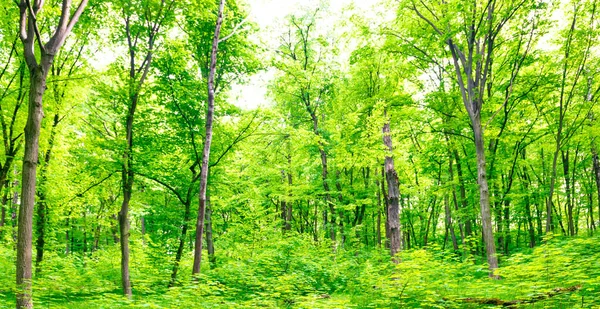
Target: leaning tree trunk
point(182, 238)
point(393, 214)
point(207, 142)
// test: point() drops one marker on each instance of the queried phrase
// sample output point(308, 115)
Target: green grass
point(295, 273)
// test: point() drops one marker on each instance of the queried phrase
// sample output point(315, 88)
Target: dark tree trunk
point(528, 214)
point(210, 245)
point(38, 72)
point(379, 205)
point(568, 204)
point(113, 228)
point(42, 210)
point(37, 87)
point(181, 246)
point(463, 194)
point(449, 224)
point(596, 165)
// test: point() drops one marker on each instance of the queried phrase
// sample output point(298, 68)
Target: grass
point(295, 273)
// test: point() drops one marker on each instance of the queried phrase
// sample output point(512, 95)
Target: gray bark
point(393, 195)
point(207, 143)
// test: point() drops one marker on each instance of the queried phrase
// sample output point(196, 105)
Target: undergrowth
point(294, 272)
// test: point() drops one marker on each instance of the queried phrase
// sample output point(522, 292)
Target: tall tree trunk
point(30, 159)
point(38, 72)
point(127, 176)
point(207, 143)
point(484, 201)
point(393, 214)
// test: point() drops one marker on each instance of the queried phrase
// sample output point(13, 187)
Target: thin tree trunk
point(449, 224)
point(378, 228)
point(207, 143)
point(42, 210)
point(596, 165)
point(568, 204)
point(181, 246)
point(210, 246)
point(113, 229)
point(463, 195)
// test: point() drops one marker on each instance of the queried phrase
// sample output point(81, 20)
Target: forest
point(299, 154)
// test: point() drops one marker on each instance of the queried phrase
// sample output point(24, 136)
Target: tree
point(207, 143)
point(472, 58)
point(143, 22)
point(307, 82)
point(38, 72)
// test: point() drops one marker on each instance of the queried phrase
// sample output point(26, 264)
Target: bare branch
point(234, 31)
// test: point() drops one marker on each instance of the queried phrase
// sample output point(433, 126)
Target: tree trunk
point(38, 72)
point(42, 210)
point(569, 206)
point(210, 246)
point(449, 225)
point(463, 195)
point(379, 205)
point(124, 233)
point(181, 246)
point(393, 214)
point(207, 143)
point(596, 165)
point(484, 201)
point(30, 159)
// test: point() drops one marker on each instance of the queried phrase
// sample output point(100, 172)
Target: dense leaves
point(298, 199)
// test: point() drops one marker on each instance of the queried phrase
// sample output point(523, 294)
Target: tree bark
point(596, 165)
point(38, 72)
point(569, 205)
point(393, 215)
point(463, 195)
point(484, 197)
point(181, 246)
point(449, 224)
point(42, 210)
point(30, 160)
point(210, 245)
point(207, 143)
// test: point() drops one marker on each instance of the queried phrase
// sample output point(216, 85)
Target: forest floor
point(295, 273)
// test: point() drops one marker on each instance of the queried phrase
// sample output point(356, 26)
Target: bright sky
point(270, 15)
